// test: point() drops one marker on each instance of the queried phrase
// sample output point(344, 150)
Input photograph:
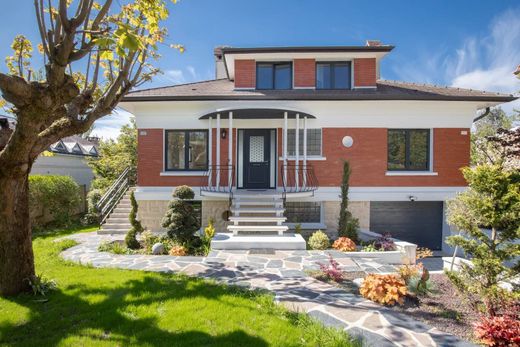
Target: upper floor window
point(186, 150)
point(409, 149)
point(273, 76)
point(313, 142)
point(333, 75)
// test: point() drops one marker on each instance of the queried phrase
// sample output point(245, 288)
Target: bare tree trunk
point(16, 254)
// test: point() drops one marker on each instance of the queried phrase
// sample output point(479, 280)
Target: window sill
point(411, 173)
point(309, 158)
point(183, 173)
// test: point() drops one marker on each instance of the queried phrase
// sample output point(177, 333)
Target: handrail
point(116, 191)
point(218, 179)
point(298, 178)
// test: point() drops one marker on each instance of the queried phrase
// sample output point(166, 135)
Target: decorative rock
point(158, 248)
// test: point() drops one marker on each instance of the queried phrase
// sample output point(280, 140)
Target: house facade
point(275, 127)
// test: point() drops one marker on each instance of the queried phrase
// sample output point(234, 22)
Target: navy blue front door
point(257, 149)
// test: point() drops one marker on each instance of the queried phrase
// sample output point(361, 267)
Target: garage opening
point(419, 222)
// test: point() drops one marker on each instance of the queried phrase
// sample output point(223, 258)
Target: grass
point(110, 307)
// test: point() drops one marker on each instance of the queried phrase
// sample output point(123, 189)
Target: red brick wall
point(245, 73)
point(368, 158)
point(365, 72)
point(304, 73)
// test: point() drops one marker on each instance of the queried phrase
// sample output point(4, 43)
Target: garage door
point(419, 222)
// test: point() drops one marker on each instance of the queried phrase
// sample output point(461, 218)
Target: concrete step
point(109, 225)
point(238, 203)
point(258, 228)
point(257, 210)
point(122, 210)
point(119, 215)
point(253, 219)
point(125, 205)
point(288, 241)
point(118, 220)
point(259, 196)
point(112, 231)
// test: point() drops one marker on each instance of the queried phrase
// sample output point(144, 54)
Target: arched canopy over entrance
point(257, 113)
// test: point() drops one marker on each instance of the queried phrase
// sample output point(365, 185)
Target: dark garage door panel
point(418, 222)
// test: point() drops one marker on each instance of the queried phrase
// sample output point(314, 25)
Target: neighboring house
point(275, 126)
point(69, 157)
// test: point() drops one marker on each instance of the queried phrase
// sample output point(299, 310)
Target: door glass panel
point(256, 149)
point(175, 150)
point(198, 142)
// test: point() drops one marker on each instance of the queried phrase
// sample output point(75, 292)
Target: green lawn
point(109, 307)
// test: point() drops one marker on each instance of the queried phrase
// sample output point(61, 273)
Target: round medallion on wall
point(347, 141)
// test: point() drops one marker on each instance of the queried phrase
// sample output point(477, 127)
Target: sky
point(463, 43)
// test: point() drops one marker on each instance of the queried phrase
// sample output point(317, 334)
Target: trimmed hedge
point(53, 198)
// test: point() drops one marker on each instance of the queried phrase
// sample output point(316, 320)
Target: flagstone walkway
point(283, 273)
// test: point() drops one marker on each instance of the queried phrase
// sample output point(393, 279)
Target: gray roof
point(223, 89)
point(75, 145)
point(377, 48)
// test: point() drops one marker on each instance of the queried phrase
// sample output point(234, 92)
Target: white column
point(284, 149)
point(304, 166)
point(218, 151)
point(230, 149)
point(210, 150)
point(297, 151)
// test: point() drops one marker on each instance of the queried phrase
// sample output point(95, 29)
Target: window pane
point(418, 150)
point(303, 212)
point(396, 149)
point(198, 156)
point(264, 76)
point(323, 76)
point(175, 150)
point(313, 142)
point(282, 77)
point(341, 76)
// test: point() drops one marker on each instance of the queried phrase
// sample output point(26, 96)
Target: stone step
point(238, 203)
point(122, 210)
point(124, 204)
point(259, 196)
point(119, 215)
point(118, 220)
point(252, 219)
point(112, 231)
point(288, 241)
point(257, 210)
point(109, 225)
point(258, 228)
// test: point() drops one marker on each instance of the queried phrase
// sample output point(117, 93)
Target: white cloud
point(109, 126)
point(482, 62)
point(175, 76)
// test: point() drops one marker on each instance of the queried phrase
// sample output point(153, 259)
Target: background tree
point(92, 55)
point(482, 150)
point(347, 225)
point(114, 157)
point(491, 202)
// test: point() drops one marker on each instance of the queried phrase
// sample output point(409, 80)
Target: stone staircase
point(257, 214)
point(118, 222)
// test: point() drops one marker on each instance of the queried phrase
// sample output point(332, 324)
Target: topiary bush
point(384, 289)
point(348, 226)
point(131, 237)
point(92, 215)
point(180, 220)
point(344, 244)
point(319, 240)
point(58, 196)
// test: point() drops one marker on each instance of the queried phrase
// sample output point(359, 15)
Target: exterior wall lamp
point(223, 134)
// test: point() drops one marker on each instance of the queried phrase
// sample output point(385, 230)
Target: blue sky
point(472, 44)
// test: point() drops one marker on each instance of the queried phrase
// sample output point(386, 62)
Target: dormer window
point(274, 75)
point(333, 75)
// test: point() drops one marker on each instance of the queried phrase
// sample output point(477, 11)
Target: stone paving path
point(283, 273)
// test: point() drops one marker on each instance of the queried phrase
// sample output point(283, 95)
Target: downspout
point(482, 115)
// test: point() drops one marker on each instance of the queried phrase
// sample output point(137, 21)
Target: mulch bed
point(444, 309)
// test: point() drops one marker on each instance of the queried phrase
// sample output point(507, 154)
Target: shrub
point(492, 201)
point(420, 285)
point(92, 215)
point(369, 248)
point(319, 240)
point(298, 228)
point(131, 237)
point(180, 220)
point(331, 271)
point(348, 226)
point(423, 252)
point(149, 239)
point(41, 285)
point(209, 232)
point(407, 272)
point(344, 244)
point(384, 289)
point(58, 195)
point(113, 247)
point(498, 330)
point(385, 243)
point(178, 250)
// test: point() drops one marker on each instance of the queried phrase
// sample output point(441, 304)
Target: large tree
point(92, 55)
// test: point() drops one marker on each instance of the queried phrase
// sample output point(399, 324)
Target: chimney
point(373, 43)
point(220, 66)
